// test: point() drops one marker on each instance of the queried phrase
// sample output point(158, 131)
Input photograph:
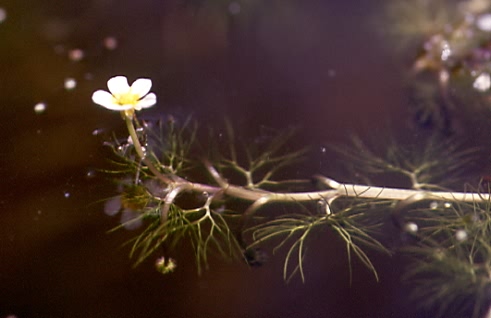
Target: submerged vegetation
point(217, 197)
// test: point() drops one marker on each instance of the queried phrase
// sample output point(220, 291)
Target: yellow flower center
point(127, 99)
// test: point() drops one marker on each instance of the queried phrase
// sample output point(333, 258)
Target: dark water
point(319, 65)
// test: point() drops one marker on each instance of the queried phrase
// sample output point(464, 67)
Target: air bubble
point(323, 149)
point(411, 227)
point(461, 235)
point(98, 131)
point(70, 83)
point(90, 174)
point(447, 205)
point(434, 205)
point(66, 194)
point(39, 108)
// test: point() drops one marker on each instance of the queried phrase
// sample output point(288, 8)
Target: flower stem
point(141, 153)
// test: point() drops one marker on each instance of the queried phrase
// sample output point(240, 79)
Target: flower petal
point(107, 100)
point(130, 219)
point(147, 101)
point(141, 86)
point(118, 85)
point(103, 98)
point(112, 206)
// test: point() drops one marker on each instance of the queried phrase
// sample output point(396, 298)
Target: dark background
point(323, 66)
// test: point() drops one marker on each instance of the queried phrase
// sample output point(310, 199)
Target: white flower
point(125, 98)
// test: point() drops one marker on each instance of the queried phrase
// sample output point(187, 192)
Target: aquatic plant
point(227, 211)
point(452, 63)
point(223, 198)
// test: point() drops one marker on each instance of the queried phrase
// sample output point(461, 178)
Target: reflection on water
point(270, 64)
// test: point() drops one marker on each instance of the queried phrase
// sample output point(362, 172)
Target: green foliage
point(203, 227)
point(355, 223)
point(450, 260)
point(434, 164)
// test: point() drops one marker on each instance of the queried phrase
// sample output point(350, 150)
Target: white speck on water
point(323, 149)
point(66, 194)
point(3, 15)
point(331, 73)
point(447, 205)
point(70, 83)
point(39, 108)
point(234, 8)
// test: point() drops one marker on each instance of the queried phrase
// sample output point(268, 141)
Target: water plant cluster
point(218, 197)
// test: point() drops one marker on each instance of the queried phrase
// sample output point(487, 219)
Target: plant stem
point(337, 189)
point(139, 150)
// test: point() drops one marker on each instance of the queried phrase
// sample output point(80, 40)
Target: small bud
point(165, 267)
